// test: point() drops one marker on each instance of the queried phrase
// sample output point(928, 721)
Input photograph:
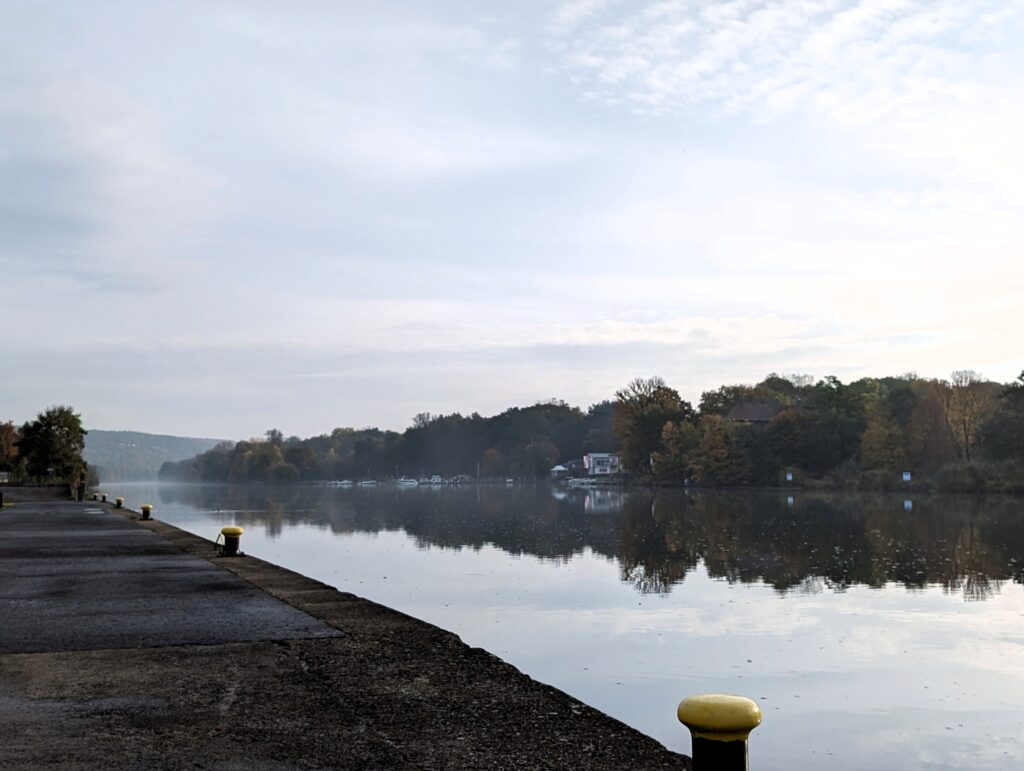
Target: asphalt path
point(76, 576)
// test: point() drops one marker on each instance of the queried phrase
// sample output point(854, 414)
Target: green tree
point(881, 444)
point(303, 458)
point(1002, 435)
point(282, 474)
point(723, 399)
point(599, 433)
point(538, 458)
point(52, 445)
point(492, 463)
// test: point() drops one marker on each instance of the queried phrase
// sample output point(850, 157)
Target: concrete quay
point(130, 644)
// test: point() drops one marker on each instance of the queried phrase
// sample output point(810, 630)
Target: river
point(880, 631)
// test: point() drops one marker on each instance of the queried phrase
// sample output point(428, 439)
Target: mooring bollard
point(147, 509)
point(103, 497)
point(95, 496)
point(119, 503)
point(232, 538)
point(719, 726)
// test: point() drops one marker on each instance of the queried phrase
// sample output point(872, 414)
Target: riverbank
point(132, 644)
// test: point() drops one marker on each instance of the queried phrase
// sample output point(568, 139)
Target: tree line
point(47, 450)
point(964, 433)
point(521, 442)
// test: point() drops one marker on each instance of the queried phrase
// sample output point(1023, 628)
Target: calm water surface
point(875, 632)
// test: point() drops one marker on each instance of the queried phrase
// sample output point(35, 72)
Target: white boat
point(406, 482)
point(368, 483)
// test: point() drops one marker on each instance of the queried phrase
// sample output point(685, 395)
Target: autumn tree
point(9, 437)
point(642, 409)
point(968, 401)
point(671, 464)
point(714, 461)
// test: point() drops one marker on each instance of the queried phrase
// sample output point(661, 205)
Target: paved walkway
point(101, 581)
point(129, 644)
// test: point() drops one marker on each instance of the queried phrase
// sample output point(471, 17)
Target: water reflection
point(800, 544)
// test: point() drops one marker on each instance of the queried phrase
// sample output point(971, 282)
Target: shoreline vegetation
point(964, 434)
point(46, 451)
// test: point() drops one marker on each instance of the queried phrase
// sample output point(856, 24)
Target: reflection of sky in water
point(881, 678)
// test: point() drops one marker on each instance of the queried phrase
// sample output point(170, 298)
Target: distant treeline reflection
point(806, 543)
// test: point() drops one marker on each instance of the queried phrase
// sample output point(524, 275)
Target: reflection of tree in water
point(654, 554)
point(519, 520)
point(967, 545)
point(970, 559)
point(810, 585)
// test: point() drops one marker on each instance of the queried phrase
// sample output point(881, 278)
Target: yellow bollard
point(719, 727)
point(147, 509)
point(119, 503)
point(232, 538)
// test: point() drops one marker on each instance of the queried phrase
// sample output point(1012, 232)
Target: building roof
point(753, 410)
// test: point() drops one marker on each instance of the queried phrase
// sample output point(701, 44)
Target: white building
point(601, 464)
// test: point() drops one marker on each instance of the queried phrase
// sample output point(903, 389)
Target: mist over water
point(874, 631)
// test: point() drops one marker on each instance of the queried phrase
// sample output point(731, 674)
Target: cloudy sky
point(218, 217)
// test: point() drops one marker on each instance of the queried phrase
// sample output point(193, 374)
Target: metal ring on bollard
point(719, 725)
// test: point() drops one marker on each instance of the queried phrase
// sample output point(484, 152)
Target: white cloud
point(858, 60)
point(571, 14)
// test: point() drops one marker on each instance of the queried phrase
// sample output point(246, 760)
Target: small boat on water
point(406, 482)
point(368, 483)
point(584, 482)
point(340, 483)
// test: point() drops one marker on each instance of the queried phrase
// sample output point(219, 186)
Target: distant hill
point(127, 455)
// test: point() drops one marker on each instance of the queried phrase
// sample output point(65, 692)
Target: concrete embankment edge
point(406, 693)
